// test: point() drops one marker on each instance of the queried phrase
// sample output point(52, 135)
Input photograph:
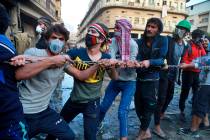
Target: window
point(136, 20)
point(143, 21)
point(191, 8)
point(137, 1)
point(151, 2)
point(107, 0)
point(181, 6)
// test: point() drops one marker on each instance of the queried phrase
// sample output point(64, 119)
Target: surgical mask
point(90, 40)
point(180, 32)
point(56, 46)
point(39, 29)
point(117, 34)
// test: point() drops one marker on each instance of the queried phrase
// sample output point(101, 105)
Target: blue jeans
point(90, 113)
point(16, 131)
point(127, 89)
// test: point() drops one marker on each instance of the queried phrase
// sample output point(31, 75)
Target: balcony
point(47, 5)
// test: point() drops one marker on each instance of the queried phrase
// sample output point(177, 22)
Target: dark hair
point(4, 19)
point(197, 33)
point(157, 22)
point(59, 29)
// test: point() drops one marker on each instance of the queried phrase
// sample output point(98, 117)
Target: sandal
point(161, 135)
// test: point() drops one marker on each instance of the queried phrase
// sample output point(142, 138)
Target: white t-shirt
point(35, 93)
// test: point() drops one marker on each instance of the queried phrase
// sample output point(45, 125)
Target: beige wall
point(137, 13)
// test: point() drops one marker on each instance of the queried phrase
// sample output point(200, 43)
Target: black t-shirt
point(10, 105)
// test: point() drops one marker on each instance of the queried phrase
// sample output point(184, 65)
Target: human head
point(43, 24)
point(56, 36)
point(97, 33)
point(154, 26)
point(122, 25)
point(4, 19)
point(197, 36)
point(182, 28)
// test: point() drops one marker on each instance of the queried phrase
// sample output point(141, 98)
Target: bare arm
point(81, 75)
point(29, 70)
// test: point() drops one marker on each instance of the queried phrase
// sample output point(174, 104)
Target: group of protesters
point(146, 69)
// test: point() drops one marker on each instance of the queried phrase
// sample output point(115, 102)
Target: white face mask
point(39, 29)
point(180, 32)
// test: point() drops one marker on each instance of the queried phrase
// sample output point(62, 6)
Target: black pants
point(49, 122)
point(90, 113)
point(202, 101)
point(189, 79)
point(162, 91)
point(169, 95)
point(146, 101)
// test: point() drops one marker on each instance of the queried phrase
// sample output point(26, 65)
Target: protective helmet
point(185, 24)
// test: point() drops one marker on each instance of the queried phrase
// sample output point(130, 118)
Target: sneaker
point(188, 132)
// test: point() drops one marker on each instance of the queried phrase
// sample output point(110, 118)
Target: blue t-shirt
point(10, 108)
point(85, 91)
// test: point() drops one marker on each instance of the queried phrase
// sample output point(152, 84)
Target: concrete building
point(199, 14)
point(24, 15)
point(137, 11)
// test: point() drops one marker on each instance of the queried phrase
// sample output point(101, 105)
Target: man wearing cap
point(43, 24)
point(123, 48)
point(85, 96)
point(176, 49)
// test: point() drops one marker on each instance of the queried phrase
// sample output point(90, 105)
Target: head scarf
point(103, 31)
point(123, 41)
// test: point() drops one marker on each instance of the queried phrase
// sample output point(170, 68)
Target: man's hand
point(145, 64)
point(108, 63)
point(60, 60)
point(19, 60)
point(184, 65)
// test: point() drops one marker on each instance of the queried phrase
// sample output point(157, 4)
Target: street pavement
point(110, 131)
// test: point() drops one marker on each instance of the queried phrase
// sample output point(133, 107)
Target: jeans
point(146, 101)
point(16, 131)
point(49, 122)
point(90, 113)
point(127, 89)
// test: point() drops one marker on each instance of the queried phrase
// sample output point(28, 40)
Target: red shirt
point(197, 51)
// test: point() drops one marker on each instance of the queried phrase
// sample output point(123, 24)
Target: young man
point(123, 48)
point(202, 98)
point(176, 48)
point(190, 76)
point(12, 124)
point(85, 96)
point(152, 50)
point(39, 80)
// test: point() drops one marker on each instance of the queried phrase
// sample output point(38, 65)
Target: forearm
point(31, 69)
point(81, 75)
point(156, 62)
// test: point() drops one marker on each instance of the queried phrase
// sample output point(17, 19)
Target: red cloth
point(197, 51)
